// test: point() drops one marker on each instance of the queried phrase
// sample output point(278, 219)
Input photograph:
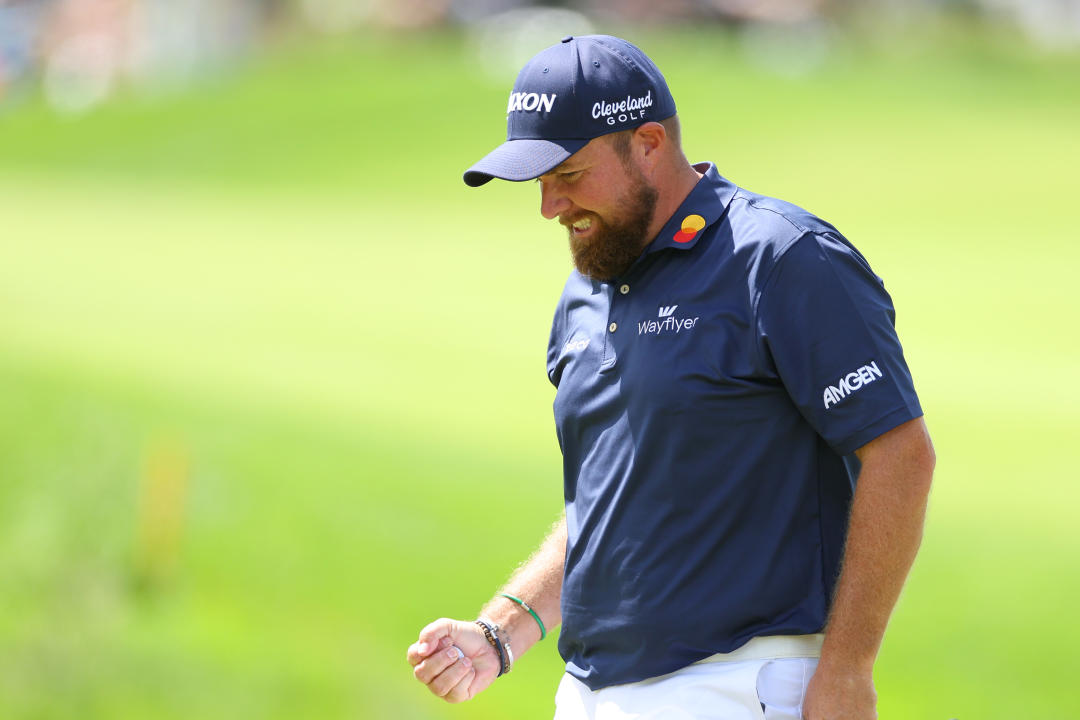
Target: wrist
point(514, 621)
point(528, 609)
point(840, 661)
point(849, 648)
point(499, 640)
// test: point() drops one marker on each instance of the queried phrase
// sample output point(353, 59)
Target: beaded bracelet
point(536, 617)
point(491, 632)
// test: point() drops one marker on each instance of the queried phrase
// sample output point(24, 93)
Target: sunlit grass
point(283, 277)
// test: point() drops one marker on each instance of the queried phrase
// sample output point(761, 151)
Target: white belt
point(769, 647)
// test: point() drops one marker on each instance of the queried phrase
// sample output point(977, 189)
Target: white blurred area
point(503, 42)
point(81, 52)
point(1053, 24)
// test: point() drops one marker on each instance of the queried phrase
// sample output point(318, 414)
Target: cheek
point(596, 198)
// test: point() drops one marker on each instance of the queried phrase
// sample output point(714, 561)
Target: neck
point(673, 181)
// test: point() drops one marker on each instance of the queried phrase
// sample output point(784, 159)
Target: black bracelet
point(491, 632)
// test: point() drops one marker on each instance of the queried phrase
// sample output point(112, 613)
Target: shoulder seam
point(781, 255)
point(800, 228)
point(760, 292)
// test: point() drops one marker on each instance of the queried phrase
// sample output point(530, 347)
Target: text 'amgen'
point(850, 383)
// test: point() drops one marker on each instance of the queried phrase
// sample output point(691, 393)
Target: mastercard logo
point(691, 226)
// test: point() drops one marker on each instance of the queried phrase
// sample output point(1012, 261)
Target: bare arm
point(885, 530)
point(538, 582)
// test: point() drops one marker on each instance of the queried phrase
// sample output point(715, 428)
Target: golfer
point(746, 467)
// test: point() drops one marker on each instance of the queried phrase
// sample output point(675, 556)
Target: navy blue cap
point(568, 94)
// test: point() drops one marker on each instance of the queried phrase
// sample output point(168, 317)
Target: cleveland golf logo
point(623, 110)
point(530, 102)
point(666, 322)
point(850, 383)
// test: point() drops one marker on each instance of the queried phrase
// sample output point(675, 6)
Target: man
point(745, 464)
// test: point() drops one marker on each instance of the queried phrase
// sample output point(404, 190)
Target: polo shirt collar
point(704, 206)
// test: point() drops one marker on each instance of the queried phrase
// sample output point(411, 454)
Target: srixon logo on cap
point(530, 102)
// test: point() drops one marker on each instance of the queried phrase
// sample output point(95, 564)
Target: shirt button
point(624, 289)
point(613, 327)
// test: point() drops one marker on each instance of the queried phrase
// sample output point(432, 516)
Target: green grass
point(281, 275)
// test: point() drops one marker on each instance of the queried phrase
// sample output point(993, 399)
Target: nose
point(553, 200)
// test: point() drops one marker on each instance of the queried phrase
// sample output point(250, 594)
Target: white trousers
point(765, 679)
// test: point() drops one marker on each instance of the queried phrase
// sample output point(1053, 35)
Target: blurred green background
point(273, 385)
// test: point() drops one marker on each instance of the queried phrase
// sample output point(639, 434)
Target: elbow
point(919, 455)
point(905, 454)
point(918, 458)
point(924, 463)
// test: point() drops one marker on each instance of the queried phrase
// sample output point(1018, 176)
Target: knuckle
point(434, 627)
point(424, 672)
point(441, 688)
point(449, 681)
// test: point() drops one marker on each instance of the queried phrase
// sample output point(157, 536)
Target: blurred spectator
point(503, 42)
point(18, 25)
point(1051, 23)
point(336, 16)
point(86, 44)
point(83, 50)
point(786, 11)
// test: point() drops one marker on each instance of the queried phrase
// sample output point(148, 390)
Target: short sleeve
point(553, 346)
point(556, 340)
point(827, 327)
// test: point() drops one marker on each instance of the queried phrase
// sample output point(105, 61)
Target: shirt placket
point(617, 297)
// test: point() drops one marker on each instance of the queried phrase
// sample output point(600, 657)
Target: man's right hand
point(454, 676)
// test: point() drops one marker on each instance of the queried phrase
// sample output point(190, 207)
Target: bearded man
point(746, 467)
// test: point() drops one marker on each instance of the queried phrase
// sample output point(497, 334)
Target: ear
point(648, 140)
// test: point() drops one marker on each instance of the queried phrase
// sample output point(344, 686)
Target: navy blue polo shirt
point(708, 404)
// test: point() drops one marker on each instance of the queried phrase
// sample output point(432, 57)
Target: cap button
point(568, 38)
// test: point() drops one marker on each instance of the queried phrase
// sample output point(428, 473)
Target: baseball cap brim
point(520, 160)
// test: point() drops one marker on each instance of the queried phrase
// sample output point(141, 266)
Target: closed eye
point(569, 177)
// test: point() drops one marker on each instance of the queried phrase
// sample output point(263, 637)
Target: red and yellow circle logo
point(691, 226)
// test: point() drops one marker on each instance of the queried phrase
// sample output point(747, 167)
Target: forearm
point(884, 534)
point(539, 583)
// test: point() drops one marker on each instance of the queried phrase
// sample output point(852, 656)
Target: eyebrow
point(570, 165)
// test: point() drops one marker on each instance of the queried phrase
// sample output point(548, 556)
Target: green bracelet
point(522, 603)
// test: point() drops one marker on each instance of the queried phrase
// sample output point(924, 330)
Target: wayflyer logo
point(691, 226)
point(666, 322)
